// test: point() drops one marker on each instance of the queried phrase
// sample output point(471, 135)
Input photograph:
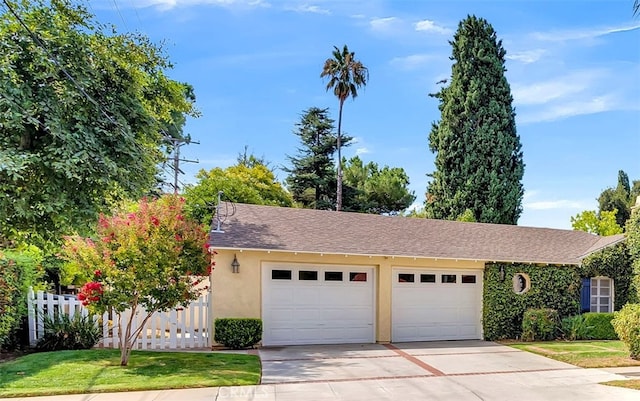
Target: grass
point(587, 354)
point(99, 370)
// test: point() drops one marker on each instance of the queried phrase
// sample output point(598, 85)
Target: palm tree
point(346, 75)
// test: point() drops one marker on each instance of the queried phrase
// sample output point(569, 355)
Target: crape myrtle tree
point(82, 115)
point(479, 164)
point(311, 178)
point(146, 259)
point(345, 76)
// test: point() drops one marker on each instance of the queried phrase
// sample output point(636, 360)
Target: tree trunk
point(339, 180)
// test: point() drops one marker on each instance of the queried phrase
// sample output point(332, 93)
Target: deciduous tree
point(143, 260)
point(249, 181)
point(603, 223)
point(479, 163)
point(81, 113)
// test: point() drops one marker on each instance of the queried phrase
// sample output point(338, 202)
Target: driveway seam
point(415, 360)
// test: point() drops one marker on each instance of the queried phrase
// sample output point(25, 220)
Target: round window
point(521, 283)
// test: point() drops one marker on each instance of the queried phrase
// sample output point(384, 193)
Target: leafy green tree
point(603, 223)
point(82, 110)
point(143, 260)
point(250, 182)
point(478, 160)
point(346, 75)
point(620, 198)
point(370, 189)
point(633, 246)
point(311, 177)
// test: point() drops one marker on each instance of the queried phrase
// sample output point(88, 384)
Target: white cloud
point(556, 204)
point(414, 61)
point(362, 151)
point(383, 24)
point(581, 34)
point(431, 26)
point(170, 4)
point(557, 88)
point(597, 104)
point(306, 8)
point(527, 56)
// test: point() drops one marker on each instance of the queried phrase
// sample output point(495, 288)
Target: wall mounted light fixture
point(502, 273)
point(235, 265)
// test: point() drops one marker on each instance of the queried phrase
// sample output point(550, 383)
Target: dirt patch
point(542, 350)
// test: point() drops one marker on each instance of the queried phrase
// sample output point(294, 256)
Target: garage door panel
point(436, 310)
point(317, 311)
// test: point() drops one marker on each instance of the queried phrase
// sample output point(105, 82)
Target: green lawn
point(89, 371)
point(587, 354)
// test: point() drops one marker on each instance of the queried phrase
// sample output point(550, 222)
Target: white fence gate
point(181, 328)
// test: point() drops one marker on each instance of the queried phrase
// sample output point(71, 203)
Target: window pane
point(356, 276)
point(281, 274)
point(448, 278)
point(468, 279)
point(307, 275)
point(427, 278)
point(604, 291)
point(405, 278)
point(332, 276)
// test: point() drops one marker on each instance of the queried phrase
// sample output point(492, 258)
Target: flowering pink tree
point(150, 259)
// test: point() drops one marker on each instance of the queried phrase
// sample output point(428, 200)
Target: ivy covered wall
point(613, 262)
point(556, 287)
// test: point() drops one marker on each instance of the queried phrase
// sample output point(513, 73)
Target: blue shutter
point(585, 295)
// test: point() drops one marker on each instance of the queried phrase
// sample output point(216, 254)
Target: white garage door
point(430, 304)
point(317, 304)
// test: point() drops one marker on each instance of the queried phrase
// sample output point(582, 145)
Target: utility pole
point(177, 144)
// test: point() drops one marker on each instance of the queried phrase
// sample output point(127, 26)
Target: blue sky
point(573, 66)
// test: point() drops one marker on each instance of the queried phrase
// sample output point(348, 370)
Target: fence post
point(31, 316)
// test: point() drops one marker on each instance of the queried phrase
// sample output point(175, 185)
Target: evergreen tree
point(311, 177)
point(369, 189)
point(618, 198)
point(479, 163)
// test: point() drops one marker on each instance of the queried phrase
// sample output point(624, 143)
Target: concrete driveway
point(447, 370)
point(438, 371)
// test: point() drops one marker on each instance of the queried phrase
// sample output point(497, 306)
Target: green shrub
point(626, 323)
point(238, 333)
point(540, 324)
point(64, 333)
point(599, 326)
point(575, 328)
point(588, 326)
point(20, 270)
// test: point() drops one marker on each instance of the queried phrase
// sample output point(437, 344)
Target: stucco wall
point(240, 295)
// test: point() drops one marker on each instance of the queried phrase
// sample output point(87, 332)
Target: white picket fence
point(181, 328)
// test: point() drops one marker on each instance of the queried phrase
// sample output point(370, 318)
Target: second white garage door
point(430, 304)
point(317, 304)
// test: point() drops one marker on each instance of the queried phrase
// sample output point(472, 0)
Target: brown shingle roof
point(318, 231)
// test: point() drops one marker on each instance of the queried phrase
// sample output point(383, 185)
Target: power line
point(66, 73)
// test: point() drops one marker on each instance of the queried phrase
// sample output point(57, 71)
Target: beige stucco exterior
point(240, 295)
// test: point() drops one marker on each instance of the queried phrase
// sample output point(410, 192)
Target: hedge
point(238, 333)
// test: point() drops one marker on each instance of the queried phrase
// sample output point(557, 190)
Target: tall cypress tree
point(479, 164)
point(311, 178)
